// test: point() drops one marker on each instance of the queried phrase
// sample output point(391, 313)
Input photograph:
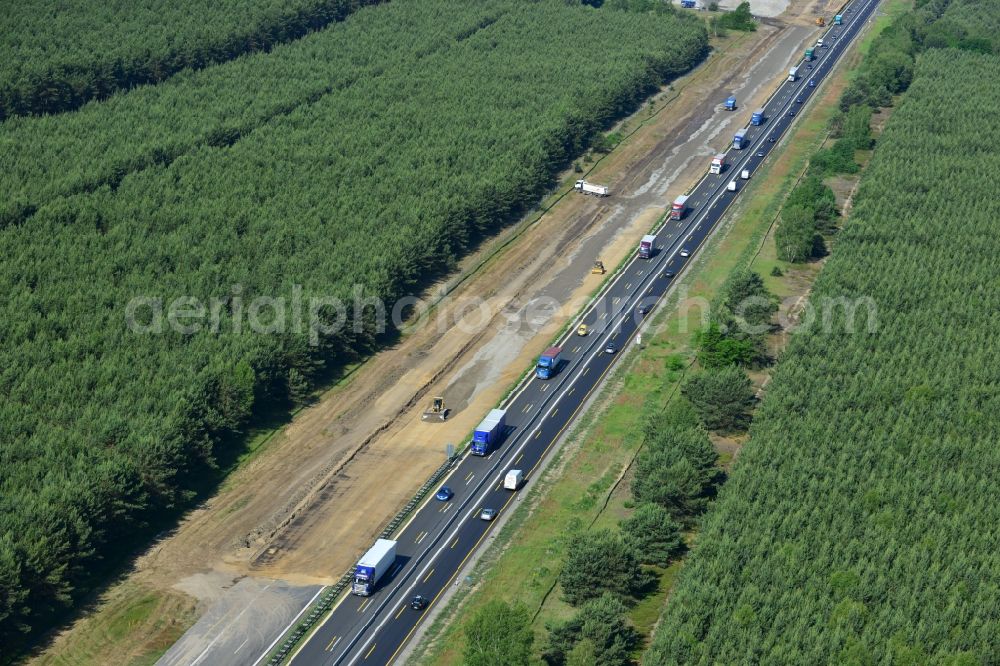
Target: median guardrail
point(330, 596)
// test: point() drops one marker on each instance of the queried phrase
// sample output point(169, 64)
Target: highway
point(441, 536)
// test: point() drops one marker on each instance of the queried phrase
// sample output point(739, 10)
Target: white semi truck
point(718, 164)
point(591, 188)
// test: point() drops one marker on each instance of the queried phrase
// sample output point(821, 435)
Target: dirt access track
point(320, 491)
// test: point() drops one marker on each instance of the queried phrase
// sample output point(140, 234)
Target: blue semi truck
point(548, 363)
point(489, 432)
point(372, 566)
point(757, 118)
point(740, 139)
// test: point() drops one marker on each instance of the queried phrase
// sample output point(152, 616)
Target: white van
point(513, 480)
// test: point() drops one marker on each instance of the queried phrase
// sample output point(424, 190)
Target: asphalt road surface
point(241, 625)
point(439, 539)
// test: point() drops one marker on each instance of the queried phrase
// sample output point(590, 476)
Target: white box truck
point(372, 566)
point(745, 174)
point(513, 480)
point(793, 74)
point(732, 186)
point(591, 188)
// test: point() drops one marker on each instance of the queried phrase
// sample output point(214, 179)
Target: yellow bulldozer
point(598, 268)
point(436, 411)
point(820, 21)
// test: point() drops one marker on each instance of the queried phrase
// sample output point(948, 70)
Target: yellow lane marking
point(429, 574)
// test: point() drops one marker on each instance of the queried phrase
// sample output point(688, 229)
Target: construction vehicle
point(598, 268)
point(820, 21)
point(436, 411)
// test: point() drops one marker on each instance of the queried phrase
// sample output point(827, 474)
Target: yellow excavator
point(436, 411)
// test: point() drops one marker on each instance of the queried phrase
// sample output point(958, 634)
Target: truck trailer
point(793, 74)
point(489, 432)
point(810, 53)
point(647, 246)
point(372, 566)
point(739, 139)
point(548, 363)
point(679, 207)
point(731, 103)
point(757, 118)
point(718, 164)
point(591, 188)
point(688, 4)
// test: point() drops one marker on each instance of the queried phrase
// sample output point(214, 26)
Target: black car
point(668, 274)
point(771, 139)
point(643, 310)
point(799, 100)
point(791, 113)
point(418, 603)
point(610, 348)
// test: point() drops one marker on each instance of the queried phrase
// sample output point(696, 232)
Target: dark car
point(809, 66)
point(643, 310)
point(668, 274)
point(444, 494)
point(610, 348)
point(799, 100)
point(771, 139)
point(812, 83)
point(791, 114)
point(418, 603)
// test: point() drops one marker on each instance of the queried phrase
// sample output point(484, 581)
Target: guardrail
point(330, 596)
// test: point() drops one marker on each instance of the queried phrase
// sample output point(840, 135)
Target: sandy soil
point(304, 508)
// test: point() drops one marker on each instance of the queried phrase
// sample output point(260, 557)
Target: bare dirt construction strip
point(318, 494)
